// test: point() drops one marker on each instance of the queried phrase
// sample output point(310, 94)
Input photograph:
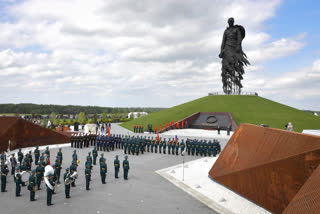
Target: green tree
point(131, 116)
point(105, 116)
point(82, 118)
point(53, 118)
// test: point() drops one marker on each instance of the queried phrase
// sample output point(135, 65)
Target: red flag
point(160, 127)
point(158, 138)
point(108, 131)
point(156, 129)
point(172, 123)
point(182, 124)
point(167, 125)
point(177, 124)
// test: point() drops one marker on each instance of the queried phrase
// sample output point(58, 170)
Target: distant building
point(137, 114)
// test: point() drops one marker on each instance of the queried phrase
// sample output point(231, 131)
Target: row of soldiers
point(136, 144)
point(82, 140)
point(138, 128)
point(102, 142)
point(140, 144)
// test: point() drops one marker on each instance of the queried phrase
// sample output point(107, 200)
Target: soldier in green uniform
point(133, 145)
point(125, 145)
point(173, 143)
point(169, 146)
point(152, 144)
point(18, 182)
point(59, 154)
point(32, 184)
point(164, 143)
point(205, 148)
point(116, 167)
point(209, 148)
point(42, 158)
point(160, 145)
point(36, 155)
point(177, 147)
point(57, 170)
point(87, 173)
point(20, 157)
point(156, 143)
point(201, 147)
point(67, 186)
point(129, 144)
point(39, 174)
point(126, 168)
point(95, 155)
point(188, 146)
point(74, 155)
point(50, 191)
point(89, 163)
point(197, 144)
point(143, 144)
point(73, 169)
point(101, 160)
point(148, 144)
point(137, 145)
point(4, 173)
point(193, 147)
point(103, 171)
point(89, 157)
point(47, 152)
point(182, 146)
point(23, 168)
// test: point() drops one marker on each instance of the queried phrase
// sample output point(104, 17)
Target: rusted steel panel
point(23, 133)
point(266, 165)
point(307, 200)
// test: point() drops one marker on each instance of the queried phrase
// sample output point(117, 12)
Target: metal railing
point(242, 93)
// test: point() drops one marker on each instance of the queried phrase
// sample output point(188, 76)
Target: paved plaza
point(144, 192)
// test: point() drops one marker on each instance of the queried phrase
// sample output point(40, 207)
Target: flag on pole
point(175, 138)
point(177, 124)
point(108, 131)
point(160, 127)
point(182, 124)
point(156, 129)
point(167, 125)
point(158, 138)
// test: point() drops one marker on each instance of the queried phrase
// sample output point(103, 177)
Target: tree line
point(29, 108)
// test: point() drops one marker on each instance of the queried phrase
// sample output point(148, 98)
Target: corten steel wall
point(266, 165)
point(307, 200)
point(23, 133)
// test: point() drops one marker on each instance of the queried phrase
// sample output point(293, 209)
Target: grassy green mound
point(244, 109)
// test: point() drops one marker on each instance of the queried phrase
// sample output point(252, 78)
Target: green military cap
point(33, 171)
point(67, 169)
point(126, 157)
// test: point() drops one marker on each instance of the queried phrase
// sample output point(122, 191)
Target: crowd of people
point(38, 173)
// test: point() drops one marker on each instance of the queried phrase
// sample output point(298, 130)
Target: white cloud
point(155, 53)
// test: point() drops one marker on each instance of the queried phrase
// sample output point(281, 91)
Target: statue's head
point(231, 21)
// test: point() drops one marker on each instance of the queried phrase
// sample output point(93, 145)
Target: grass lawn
point(244, 109)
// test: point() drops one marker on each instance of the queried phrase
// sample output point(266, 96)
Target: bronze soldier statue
point(233, 58)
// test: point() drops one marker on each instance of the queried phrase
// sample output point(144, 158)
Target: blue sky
point(120, 53)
